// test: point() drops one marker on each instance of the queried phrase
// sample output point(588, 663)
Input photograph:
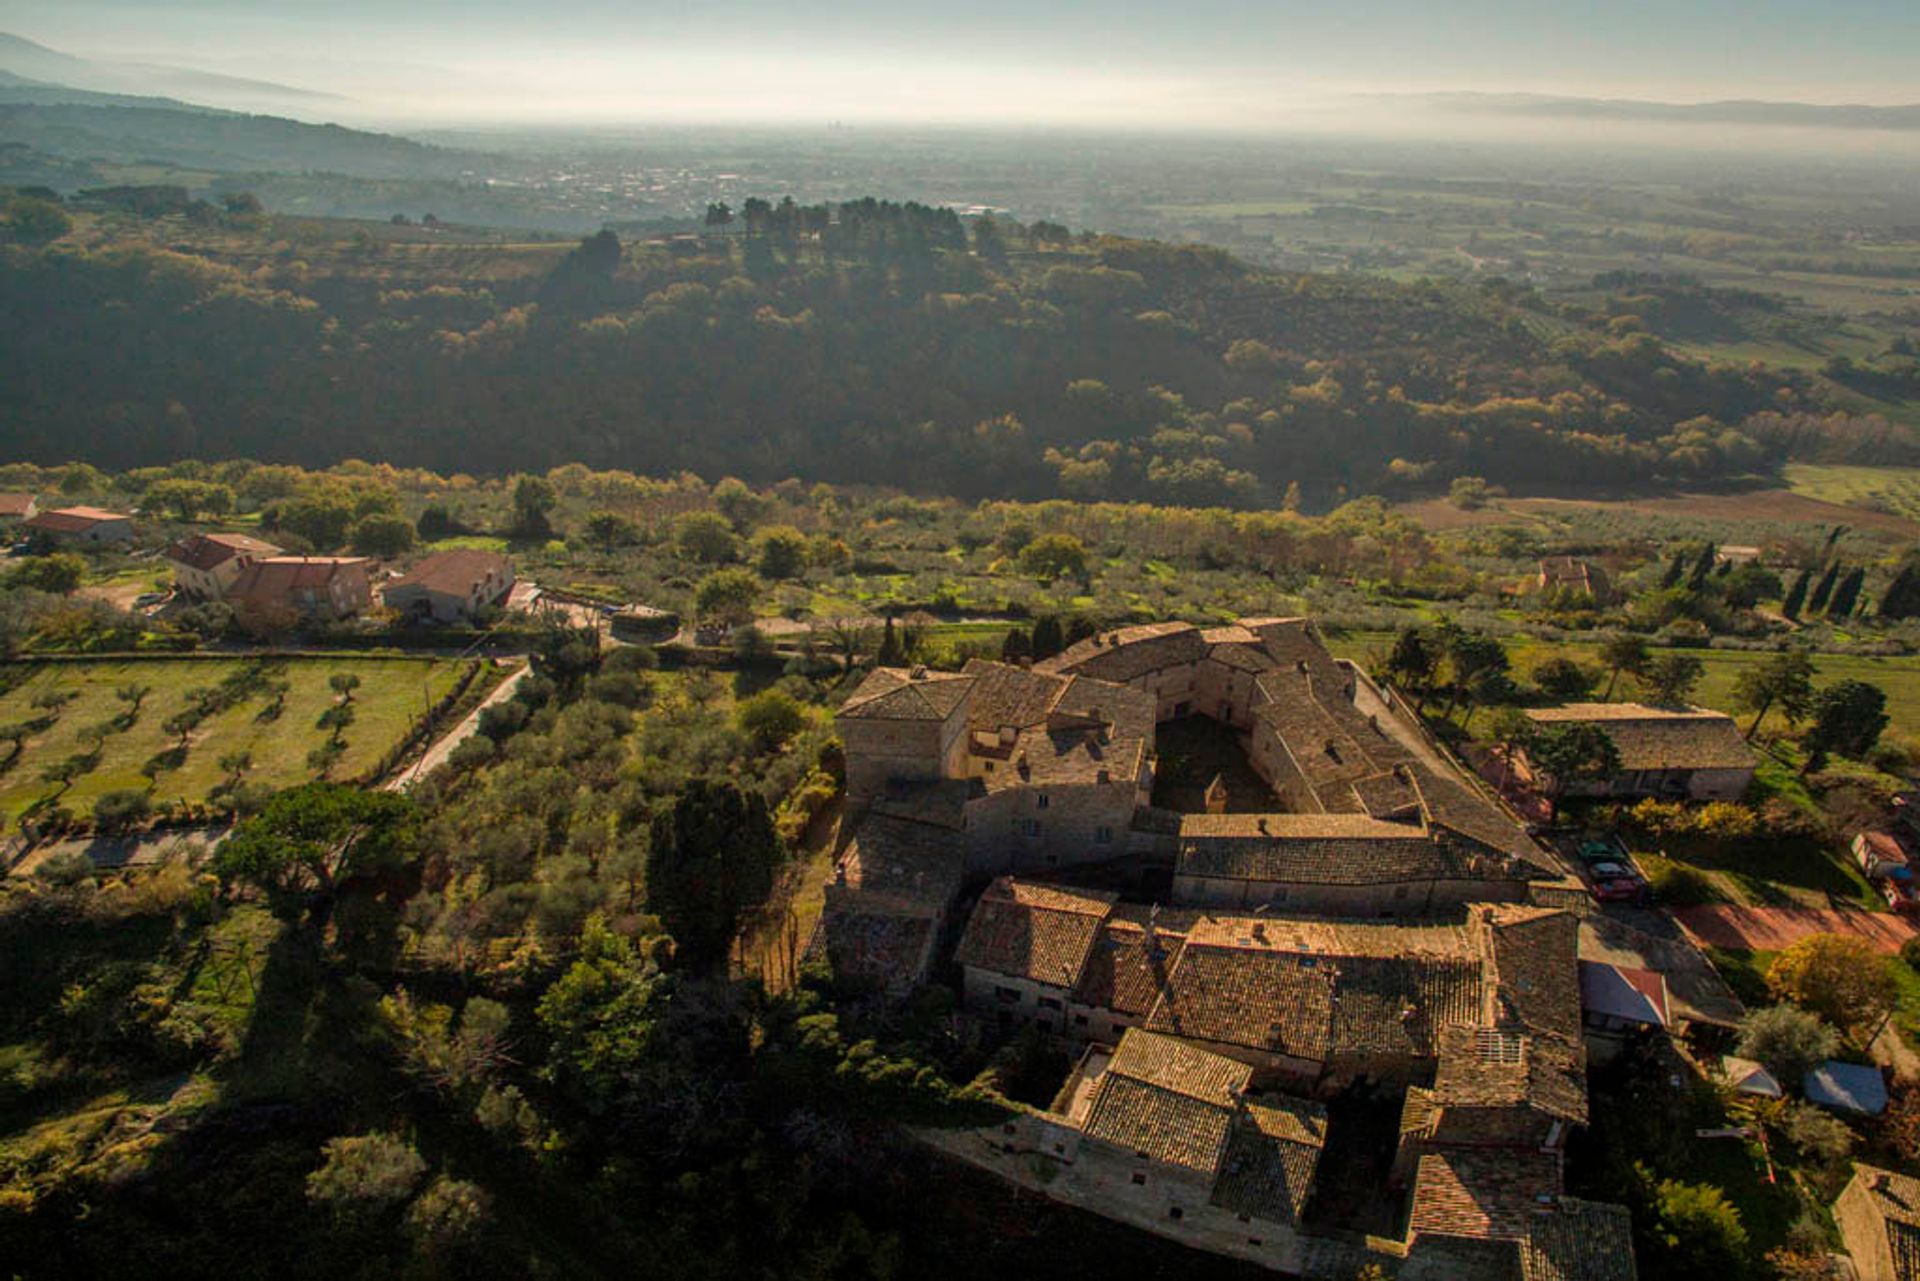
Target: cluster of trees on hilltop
point(872, 342)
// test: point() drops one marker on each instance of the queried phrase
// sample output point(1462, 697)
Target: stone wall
point(1043, 828)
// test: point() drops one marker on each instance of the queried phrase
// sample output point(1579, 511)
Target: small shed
point(1618, 998)
point(1748, 1077)
point(1846, 1087)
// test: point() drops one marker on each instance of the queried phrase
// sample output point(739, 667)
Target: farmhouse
point(206, 566)
point(1573, 576)
point(16, 507)
point(1676, 753)
point(316, 587)
point(451, 586)
point(1878, 1214)
point(80, 526)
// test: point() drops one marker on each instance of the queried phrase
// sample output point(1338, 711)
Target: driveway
point(436, 756)
point(1769, 929)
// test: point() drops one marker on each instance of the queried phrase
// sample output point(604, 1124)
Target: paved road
point(1768, 929)
point(436, 755)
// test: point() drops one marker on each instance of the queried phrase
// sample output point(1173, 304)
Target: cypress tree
point(1847, 594)
point(1796, 594)
point(1049, 638)
point(1675, 567)
point(1823, 590)
point(1902, 597)
point(1702, 566)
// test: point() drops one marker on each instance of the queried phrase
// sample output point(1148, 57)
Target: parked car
point(1614, 881)
point(146, 599)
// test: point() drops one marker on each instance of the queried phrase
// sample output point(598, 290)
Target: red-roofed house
point(451, 587)
point(206, 566)
point(17, 507)
point(80, 526)
point(324, 587)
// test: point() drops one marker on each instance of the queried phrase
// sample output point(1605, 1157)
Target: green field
point(393, 693)
point(1899, 677)
point(1884, 489)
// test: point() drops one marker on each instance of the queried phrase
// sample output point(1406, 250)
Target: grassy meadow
point(393, 693)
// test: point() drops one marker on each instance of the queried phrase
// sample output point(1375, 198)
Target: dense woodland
point(868, 342)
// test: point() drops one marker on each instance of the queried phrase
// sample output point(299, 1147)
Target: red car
point(1615, 882)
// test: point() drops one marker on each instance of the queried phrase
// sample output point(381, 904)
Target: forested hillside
point(869, 342)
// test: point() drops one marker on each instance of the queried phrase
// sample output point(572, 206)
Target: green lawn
point(1888, 489)
point(1899, 677)
point(393, 693)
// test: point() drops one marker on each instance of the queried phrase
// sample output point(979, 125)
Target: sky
point(1220, 63)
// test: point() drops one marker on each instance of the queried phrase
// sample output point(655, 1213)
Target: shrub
point(117, 811)
point(770, 718)
point(1676, 884)
point(1787, 1040)
point(67, 868)
point(364, 1172)
point(1837, 976)
point(1910, 953)
point(1694, 1228)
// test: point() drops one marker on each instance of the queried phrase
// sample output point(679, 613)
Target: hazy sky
point(1208, 62)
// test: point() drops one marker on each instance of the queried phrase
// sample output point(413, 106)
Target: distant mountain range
point(1729, 112)
point(26, 60)
point(87, 117)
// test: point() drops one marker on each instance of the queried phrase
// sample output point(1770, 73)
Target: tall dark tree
point(1414, 661)
point(1796, 597)
point(1049, 638)
point(1623, 652)
point(1570, 753)
point(710, 860)
point(1848, 717)
point(1784, 680)
point(1671, 677)
point(1823, 590)
point(1902, 596)
point(1846, 594)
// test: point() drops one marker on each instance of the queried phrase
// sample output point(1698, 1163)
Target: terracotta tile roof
point(1895, 1200)
point(73, 520)
point(1575, 1240)
point(1272, 1152)
point(915, 865)
point(1493, 1068)
point(1482, 1194)
point(1321, 849)
point(456, 572)
point(902, 694)
point(1653, 738)
point(15, 505)
point(1026, 930)
point(940, 802)
point(276, 576)
point(1131, 652)
point(882, 949)
point(1532, 951)
point(1005, 695)
point(1123, 972)
point(1169, 1101)
point(206, 551)
point(1316, 990)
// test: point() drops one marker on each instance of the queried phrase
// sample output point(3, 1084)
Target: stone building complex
point(1340, 1025)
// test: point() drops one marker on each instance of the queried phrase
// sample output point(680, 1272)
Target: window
point(1254, 1241)
point(1140, 1180)
point(1029, 827)
point(1007, 1128)
point(1049, 1002)
point(1080, 1019)
point(1008, 995)
point(1103, 835)
point(1175, 1212)
point(1040, 800)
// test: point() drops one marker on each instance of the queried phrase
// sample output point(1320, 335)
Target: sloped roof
point(455, 572)
point(1273, 1150)
point(906, 694)
point(1171, 1101)
point(1482, 1194)
point(1026, 930)
point(276, 576)
point(883, 949)
point(73, 520)
point(1749, 1077)
point(1320, 849)
point(1125, 972)
point(1653, 738)
point(1895, 1200)
point(1576, 1240)
point(1484, 1067)
point(1639, 996)
point(15, 504)
point(916, 866)
point(1122, 655)
point(1534, 980)
point(206, 551)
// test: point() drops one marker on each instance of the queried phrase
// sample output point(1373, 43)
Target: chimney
point(1261, 823)
point(1102, 775)
point(918, 673)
